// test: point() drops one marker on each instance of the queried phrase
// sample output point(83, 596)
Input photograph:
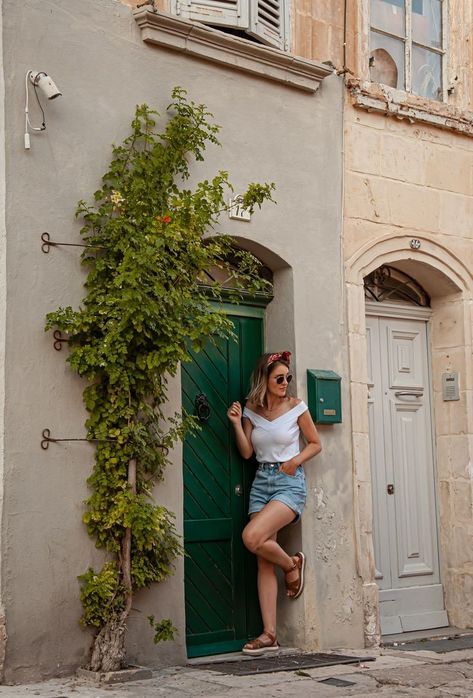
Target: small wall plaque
point(236, 210)
point(450, 386)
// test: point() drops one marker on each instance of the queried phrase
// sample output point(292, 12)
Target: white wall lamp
point(39, 79)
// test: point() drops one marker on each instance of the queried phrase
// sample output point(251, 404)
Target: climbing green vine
point(148, 247)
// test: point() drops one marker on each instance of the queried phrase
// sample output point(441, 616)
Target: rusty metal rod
point(47, 243)
point(47, 439)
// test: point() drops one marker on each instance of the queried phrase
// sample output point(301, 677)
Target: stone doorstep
point(234, 657)
point(132, 673)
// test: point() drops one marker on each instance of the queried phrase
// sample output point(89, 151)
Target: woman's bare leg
point(259, 536)
point(267, 594)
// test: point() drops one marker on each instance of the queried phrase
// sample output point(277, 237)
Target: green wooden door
point(220, 575)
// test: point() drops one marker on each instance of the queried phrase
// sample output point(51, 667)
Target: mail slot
point(324, 396)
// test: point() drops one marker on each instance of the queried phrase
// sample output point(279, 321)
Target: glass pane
point(389, 15)
point(427, 22)
point(426, 73)
point(387, 61)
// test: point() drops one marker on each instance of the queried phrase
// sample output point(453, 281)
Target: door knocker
point(202, 407)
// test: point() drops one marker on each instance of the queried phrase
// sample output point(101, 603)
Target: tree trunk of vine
point(108, 651)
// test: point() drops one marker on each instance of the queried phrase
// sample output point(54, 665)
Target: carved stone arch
point(431, 255)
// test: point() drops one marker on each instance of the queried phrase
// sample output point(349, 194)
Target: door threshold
point(233, 657)
point(446, 633)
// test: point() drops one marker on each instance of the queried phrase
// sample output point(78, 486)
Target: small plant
point(147, 247)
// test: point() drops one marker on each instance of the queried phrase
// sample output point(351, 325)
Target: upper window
point(407, 45)
point(265, 21)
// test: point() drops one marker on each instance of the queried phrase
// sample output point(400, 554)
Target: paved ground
point(420, 674)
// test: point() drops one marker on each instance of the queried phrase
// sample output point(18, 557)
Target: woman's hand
point(289, 467)
point(234, 413)
point(242, 430)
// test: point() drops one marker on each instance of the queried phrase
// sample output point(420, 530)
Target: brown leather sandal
point(296, 586)
point(260, 646)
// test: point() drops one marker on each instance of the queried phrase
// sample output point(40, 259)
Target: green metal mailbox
point(324, 396)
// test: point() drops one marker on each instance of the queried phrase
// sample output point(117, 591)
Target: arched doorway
point(222, 609)
point(405, 532)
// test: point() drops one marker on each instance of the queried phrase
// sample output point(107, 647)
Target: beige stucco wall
point(95, 53)
point(405, 181)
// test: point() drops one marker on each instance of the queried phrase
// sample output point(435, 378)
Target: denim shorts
point(271, 484)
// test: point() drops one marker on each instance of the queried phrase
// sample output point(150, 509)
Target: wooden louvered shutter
point(224, 13)
point(269, 22)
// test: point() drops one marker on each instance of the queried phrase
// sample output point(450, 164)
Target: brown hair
point(259, 378)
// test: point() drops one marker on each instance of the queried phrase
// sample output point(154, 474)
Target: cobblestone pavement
point(394, 673)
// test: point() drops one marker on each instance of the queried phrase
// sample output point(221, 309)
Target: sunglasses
point(281, 379)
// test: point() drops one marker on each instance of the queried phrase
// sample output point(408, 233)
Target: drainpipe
point(345, 13)
point(345, 69)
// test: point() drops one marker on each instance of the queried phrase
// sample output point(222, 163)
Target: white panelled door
point(404, 499)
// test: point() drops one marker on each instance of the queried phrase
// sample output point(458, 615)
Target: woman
point(270, 426)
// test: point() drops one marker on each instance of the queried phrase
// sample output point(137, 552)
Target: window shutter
point(269, 22)
point(224, 13)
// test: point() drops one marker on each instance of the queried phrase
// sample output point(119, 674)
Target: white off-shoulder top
point(277, 440)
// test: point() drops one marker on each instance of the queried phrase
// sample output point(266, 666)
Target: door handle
point(238, 490)
point(202, 407)
point(408, 393)
point(390, 489)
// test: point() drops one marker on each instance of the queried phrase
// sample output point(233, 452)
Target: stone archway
point(449, 284)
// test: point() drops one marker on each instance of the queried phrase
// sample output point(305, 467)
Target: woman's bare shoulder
point(294, 401)
point(251, 406)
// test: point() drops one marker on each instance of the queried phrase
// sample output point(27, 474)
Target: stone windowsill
point(391, 102)
point(196, 39)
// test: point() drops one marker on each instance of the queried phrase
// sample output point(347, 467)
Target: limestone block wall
point(405, 181)
point(317, 29)
point(402, 176)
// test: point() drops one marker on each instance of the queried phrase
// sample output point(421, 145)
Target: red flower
point(163, 219)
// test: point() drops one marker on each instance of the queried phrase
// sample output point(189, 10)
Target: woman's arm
point(312, 448)
point(242, 431)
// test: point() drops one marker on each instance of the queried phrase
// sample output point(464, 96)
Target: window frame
point(242, 15)
point(409, 42)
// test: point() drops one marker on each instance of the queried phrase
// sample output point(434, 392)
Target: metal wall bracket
point(47, 243)
point(59, 340)
point(48, 439)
